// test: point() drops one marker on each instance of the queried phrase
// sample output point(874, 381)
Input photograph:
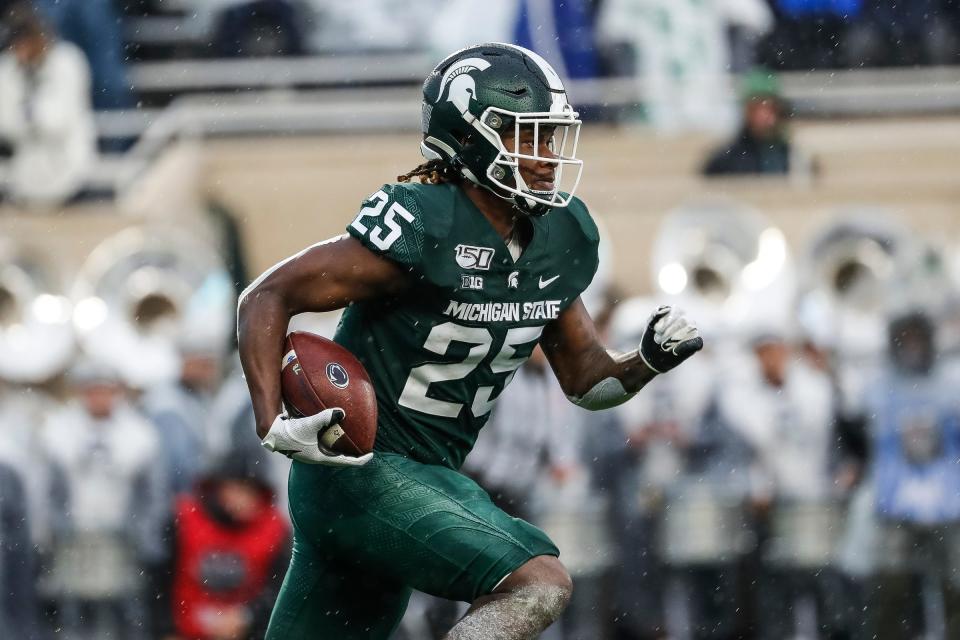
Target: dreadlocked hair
point(433, 172)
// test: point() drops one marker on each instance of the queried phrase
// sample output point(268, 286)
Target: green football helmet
point(480, 93)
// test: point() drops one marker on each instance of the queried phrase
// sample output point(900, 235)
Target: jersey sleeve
point(390, 224)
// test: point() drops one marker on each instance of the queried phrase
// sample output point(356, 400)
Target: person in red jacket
point(230, 551)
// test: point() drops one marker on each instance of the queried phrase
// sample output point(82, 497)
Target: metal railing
point(282, 72)
point(869, 91)
point(276, 102)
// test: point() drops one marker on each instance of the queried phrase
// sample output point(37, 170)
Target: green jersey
point(442, 352)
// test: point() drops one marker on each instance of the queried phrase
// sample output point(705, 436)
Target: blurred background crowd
point(785, 170)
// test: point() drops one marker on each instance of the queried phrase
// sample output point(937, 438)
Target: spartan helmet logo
point(459, 84)
point(513, 280)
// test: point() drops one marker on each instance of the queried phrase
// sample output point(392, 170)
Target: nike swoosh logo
point(547, 282)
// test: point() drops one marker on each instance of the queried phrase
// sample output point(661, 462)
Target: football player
point(449, 283)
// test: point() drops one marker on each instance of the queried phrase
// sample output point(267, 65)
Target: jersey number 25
point(377, 237)
point(414, 395)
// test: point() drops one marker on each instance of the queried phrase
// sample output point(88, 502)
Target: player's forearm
point(591, 376)
point(262, 321)
point(631, 370)
point(610, 379)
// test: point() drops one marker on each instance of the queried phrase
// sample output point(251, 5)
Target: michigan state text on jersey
point(449, 284)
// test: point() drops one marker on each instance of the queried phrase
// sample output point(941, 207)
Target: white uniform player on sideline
point(22, 412)
point(669, 460)
point(108, 527)
point(783, 407)
point(180, 411)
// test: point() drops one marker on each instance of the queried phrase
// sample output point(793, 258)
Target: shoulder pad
point(574, 235)
point(579, 211)
point(399, 221)
point(432, 204)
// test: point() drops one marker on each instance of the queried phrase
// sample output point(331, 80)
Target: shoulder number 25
point(377, 237)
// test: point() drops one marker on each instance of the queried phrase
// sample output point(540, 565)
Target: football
point(317, 373)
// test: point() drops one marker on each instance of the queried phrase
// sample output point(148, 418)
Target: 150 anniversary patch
point(469, 257)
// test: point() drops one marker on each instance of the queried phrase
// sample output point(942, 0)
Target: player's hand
point(298, 439)
point(668, 340)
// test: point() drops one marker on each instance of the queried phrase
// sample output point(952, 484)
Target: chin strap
point(531, 207)
point(521, 203)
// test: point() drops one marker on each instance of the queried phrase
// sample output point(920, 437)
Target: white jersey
point(102, 461)
point(47, 116)
point(789, 428)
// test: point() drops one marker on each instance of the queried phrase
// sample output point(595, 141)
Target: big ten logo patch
point(469, 257)
point(471, 282)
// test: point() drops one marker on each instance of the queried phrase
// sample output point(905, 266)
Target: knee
point(544, 583)
point(556, 576)
point(552, 599)
point(544, 603)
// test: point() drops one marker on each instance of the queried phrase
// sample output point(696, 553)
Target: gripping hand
point(668, 340)
point(299, 439)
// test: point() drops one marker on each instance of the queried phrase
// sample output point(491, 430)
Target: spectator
point(809, 33)
point(748, 22)
point(107, 529)
point(228, 431)
point(18, 608)
point(374, 25)
point(96, 28)
point(230, 551)
point(179, 410)
point(675, 460)
point(636, 459)
point(461, 23)
point(762, 146)
point(783, 408)
point(914, 424)
point(679, 52)
point(259, 28)
point(45, 112)
point(22, 410)
point(889, 32)
point(561, 31)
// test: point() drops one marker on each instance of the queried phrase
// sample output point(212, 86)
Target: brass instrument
point(36, 339)
point(143, 293)
point(724, 262)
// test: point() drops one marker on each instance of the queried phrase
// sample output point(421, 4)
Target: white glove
point(299, 439)
point(668, 340)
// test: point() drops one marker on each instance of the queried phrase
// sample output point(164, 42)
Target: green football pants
point(364, 537)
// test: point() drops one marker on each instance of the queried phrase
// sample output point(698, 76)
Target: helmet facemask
point(563, 130)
